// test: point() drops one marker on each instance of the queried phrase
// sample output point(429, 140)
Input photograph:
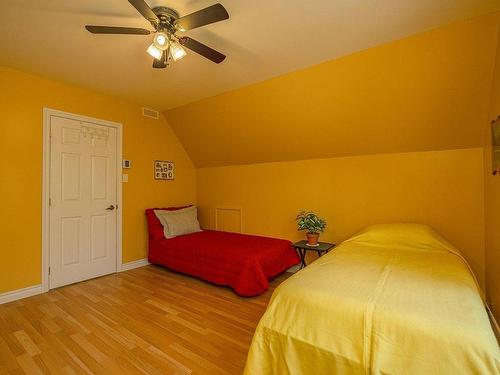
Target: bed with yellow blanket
point(394, 299)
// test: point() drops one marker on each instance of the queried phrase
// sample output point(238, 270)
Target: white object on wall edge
point(134, 264)
point(17, 294)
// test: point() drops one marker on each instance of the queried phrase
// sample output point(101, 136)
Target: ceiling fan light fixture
point(176, 51)
point(155, 52)
point(161, 40)
point(166, 45)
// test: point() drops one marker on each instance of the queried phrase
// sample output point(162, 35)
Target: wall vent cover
point(148, 112)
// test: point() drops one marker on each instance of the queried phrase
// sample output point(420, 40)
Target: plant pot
point(312, 238)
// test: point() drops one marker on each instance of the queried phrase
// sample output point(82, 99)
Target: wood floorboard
point(144, 321)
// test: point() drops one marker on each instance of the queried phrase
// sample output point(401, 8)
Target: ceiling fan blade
point(162, 63)
point(116, 30)
point(202, 49)
point(145, 10)
point(214, 13)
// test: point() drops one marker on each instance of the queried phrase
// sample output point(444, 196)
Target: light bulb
point(176, 51)
point(160, 41)
point(155, 52)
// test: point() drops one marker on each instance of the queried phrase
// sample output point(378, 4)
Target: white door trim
point(47, 112)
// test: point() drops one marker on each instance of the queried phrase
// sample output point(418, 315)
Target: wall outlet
point(124, 177)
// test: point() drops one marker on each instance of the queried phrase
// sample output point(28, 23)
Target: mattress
point(394, 299)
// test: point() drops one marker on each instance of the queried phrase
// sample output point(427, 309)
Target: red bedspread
point(243, 262)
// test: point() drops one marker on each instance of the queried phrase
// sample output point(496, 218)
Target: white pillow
point(179, 222)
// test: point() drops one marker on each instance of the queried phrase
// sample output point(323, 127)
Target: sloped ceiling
point(262, 39)
point(426, 92)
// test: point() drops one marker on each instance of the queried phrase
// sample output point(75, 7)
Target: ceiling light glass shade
point(176, 51)
point(155, 52)
point(161, 41)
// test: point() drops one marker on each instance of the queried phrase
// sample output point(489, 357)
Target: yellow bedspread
point(394, 299)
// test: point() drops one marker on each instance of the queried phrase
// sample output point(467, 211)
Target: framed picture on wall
point(164, 170)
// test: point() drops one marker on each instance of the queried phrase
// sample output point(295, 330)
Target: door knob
point(110, 208)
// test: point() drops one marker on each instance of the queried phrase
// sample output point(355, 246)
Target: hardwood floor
point(144, 321)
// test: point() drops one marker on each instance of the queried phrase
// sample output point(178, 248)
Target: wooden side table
point(302, 247)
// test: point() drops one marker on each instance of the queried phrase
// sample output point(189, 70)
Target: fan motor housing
point(165, 14)
point(167, 18)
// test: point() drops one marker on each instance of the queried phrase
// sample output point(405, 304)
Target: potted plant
point(308, 220)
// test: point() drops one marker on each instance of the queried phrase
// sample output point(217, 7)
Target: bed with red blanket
point(243, 262)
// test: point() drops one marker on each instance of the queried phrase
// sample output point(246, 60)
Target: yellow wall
point(442, 188)
point(423, 93)
point(22, 98)
point(401, 103)
point(492, 202)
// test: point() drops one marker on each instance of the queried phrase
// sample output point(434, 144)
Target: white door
point(83, 222)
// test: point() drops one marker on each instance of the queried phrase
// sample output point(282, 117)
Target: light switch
point(124, 177)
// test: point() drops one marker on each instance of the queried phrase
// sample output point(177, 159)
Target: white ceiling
point(262, 39)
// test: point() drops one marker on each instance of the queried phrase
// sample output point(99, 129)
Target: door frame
point(47, 112)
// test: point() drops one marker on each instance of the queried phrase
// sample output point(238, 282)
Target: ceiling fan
point(166, 44)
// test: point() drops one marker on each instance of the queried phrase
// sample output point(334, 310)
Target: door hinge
point(50, 201)
point(49, 270)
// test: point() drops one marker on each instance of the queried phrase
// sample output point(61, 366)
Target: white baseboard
point(37, 289)
point(20, 293)
point(135, 264)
